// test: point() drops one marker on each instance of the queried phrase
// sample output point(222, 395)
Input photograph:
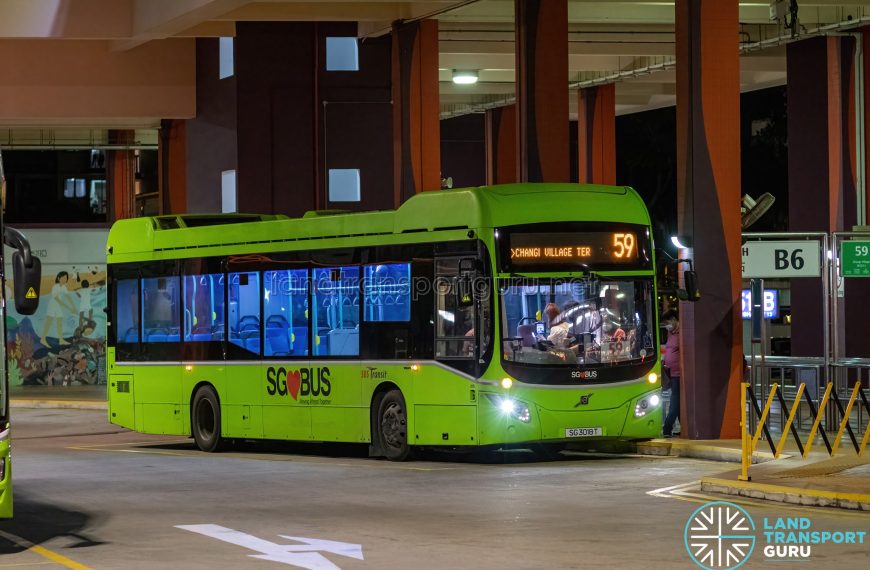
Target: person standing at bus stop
point(671, 322)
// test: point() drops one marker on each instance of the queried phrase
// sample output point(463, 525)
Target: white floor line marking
point(306, 555)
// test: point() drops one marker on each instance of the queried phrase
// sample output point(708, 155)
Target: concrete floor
point(91, 494)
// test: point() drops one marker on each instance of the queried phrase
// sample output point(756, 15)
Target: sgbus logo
point(719, 535)
point(304, 382)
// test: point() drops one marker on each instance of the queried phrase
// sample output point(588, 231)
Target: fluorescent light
point(464, 77)
point(682, 242)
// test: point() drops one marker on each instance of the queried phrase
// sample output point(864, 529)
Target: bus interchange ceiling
point(631, 42)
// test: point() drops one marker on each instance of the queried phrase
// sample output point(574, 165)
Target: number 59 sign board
point(855, 258)
point(781, 259)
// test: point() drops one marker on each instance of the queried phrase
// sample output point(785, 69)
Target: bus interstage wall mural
point(64, 343)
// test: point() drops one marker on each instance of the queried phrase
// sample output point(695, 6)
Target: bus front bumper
point(502, 423)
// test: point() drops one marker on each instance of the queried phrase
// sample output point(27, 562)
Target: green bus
point(26, 275)
point(515, 315)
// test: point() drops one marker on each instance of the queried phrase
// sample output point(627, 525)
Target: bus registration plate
point(584, 432)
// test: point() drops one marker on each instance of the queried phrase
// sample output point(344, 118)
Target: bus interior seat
point(344, 342)
point(157, 337)
point(278, 342)
point(300, 340)
point(175, 337)
point(526, 332)
point(132, 335)
point(201, 337)
point(277, 321)
point(249, 326)
point(253, 344)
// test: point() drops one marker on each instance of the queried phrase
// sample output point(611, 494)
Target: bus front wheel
point(206, 419)
point(393, 426)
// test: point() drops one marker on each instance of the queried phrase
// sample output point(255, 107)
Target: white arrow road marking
point(304, 555)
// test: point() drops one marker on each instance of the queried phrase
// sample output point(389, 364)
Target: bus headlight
point(509, 407)
point(646, 404)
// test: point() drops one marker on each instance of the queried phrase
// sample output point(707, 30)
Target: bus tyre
point(205, 419)
point(393, 426)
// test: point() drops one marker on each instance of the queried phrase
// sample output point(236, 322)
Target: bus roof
point(465, 208)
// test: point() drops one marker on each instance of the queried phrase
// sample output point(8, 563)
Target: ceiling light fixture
point(464, 77)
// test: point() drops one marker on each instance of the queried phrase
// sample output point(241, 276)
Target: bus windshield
point(577, 322)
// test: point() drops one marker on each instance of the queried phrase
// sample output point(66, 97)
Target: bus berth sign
point(855, 258)
point(781, 259)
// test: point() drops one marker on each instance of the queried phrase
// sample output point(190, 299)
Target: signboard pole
point(757, 329)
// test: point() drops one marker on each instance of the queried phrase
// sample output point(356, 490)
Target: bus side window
point(160, 309)
point(387, 292)
point(454, 324)
point(244, 311)
point(335, 322)
point(127, 311)
point(285, 308)
point(204, 307)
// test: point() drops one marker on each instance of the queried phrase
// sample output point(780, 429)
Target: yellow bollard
point(745, 445)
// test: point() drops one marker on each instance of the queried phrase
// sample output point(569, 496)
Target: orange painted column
point(172, 163)
point(542, 90)
point(416, 111)
point(120, 170)
point(708, 214)
point(596, 134)
point(501, 145)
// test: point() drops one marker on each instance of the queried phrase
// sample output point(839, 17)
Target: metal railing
point(830, 406)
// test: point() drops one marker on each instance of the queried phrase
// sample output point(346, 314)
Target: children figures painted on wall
point(57, 303)
point(86, 311)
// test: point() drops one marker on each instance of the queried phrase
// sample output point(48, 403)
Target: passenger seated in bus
point(558, 334)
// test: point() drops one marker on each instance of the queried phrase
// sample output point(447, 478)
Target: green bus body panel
point(6, 482)
point(138, 239)
point(268, 399)
point(467, 417)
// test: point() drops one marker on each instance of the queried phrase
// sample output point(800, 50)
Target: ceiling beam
point(159, 19)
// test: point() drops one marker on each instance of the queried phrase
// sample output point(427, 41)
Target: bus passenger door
point(286, 369)
point(333, 389)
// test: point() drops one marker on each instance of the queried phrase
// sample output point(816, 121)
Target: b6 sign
point(781, 259)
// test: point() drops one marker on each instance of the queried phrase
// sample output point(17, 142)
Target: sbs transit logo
point(719, 536)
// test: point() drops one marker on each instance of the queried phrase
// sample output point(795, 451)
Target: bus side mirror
point(690, 278)
point(26, 279)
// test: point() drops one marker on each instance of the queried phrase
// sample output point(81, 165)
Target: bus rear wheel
point(393, 426)
point(205, 419)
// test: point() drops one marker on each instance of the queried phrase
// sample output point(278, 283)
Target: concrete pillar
point(501, 145)
point(120, 173)
point(865, 36)
point(542, 91)
point(283, 123)
point(416, 139)
point(821, 171)
point(463, 150)
point(596, 134)
point(172, 165)
point(211, 137)
point(708, 213)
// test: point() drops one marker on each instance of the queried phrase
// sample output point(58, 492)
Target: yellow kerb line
point(764, 413)
point(788, 422)
point(818, 420)
point(44, 552)
point(845, 419)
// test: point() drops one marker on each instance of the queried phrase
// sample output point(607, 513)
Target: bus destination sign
point(582, 248)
